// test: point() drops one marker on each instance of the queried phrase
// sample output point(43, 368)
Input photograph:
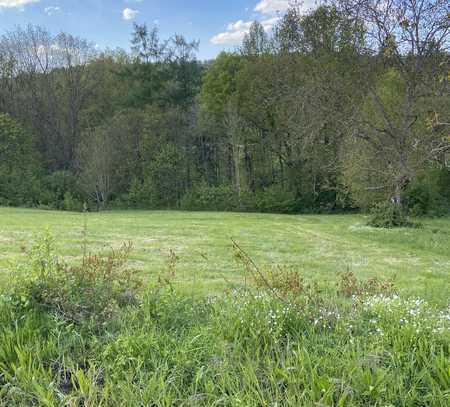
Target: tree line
point(339, 108)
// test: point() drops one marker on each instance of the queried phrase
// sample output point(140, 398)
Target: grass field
point(86, 333)
point(319, 246)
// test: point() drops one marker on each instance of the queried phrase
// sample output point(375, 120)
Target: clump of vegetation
point(280, 281)
point(89, 293)
point(389, 215)
point(276, 199)
point(203, 197)
point(285, 280)
point(350, 286)
point(429, 195)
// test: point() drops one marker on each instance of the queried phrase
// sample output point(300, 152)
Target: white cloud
point(16, 3)
point(271, 11)
point(272, 6)
point(129, 14)
point(236, 31)
point(269, 23)
point(281, 6)
point(52, 10)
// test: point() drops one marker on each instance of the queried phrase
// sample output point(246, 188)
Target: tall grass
point(262, 345)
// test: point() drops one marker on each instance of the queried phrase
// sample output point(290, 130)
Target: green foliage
point(59, 190)
point(163, 177)
point(163, 73)
point(220, 84)
point(18, 164)
point(326, 29)
point(203, 197)
point(276, 199)
point(135, 196)
point(256, 42)
point(308, 118)
point(71, 203)
point(389, 215)
point(429, 195)
point(15, 143)
point(88, 294)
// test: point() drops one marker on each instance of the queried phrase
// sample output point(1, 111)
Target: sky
point(218, 24)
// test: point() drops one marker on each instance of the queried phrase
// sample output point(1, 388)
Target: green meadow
point(318, 246)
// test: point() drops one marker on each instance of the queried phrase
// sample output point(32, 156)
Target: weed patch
point(90, 293)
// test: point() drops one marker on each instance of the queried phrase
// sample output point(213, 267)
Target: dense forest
point(341, 108)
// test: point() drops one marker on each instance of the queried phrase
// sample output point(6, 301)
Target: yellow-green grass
point(319, 246)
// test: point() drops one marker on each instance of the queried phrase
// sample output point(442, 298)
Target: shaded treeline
point(338, 108)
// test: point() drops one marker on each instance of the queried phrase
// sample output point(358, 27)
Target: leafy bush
point(136, 196)
point(274, 199)
point(59, 190)
point(19, 164)
point(430, 194)
point(203, 197)
point(89, 293)
point(389, 215)
point(71, 203)
point(18, 188)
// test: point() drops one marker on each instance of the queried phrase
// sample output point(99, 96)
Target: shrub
point(19, 164)
point(285, 280)
point(350, 286)
point(71, 203)
point(430, 194)
point(136, 194)
point(19, 188)
point(274, 199)
point(389, 215)
point(280, 281)
point(59, 190)
point(88, 293)
point(211, 198)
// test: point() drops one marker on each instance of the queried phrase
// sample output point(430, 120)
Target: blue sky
point(218, 24)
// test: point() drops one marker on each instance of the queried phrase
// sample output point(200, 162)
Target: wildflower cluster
point(255, 315)
point(413, 314)
point(326, 317)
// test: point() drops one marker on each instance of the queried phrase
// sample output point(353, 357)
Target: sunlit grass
point(319, 246)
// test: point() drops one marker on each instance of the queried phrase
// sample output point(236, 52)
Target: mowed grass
point(319, 246)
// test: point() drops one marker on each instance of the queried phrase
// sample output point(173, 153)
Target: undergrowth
point(388, 215)
point(281, 340)
point(89, 293)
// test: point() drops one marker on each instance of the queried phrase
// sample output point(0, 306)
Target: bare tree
point(233, 124)
point(45, 84)
point(96, 166)
point(409, 44)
